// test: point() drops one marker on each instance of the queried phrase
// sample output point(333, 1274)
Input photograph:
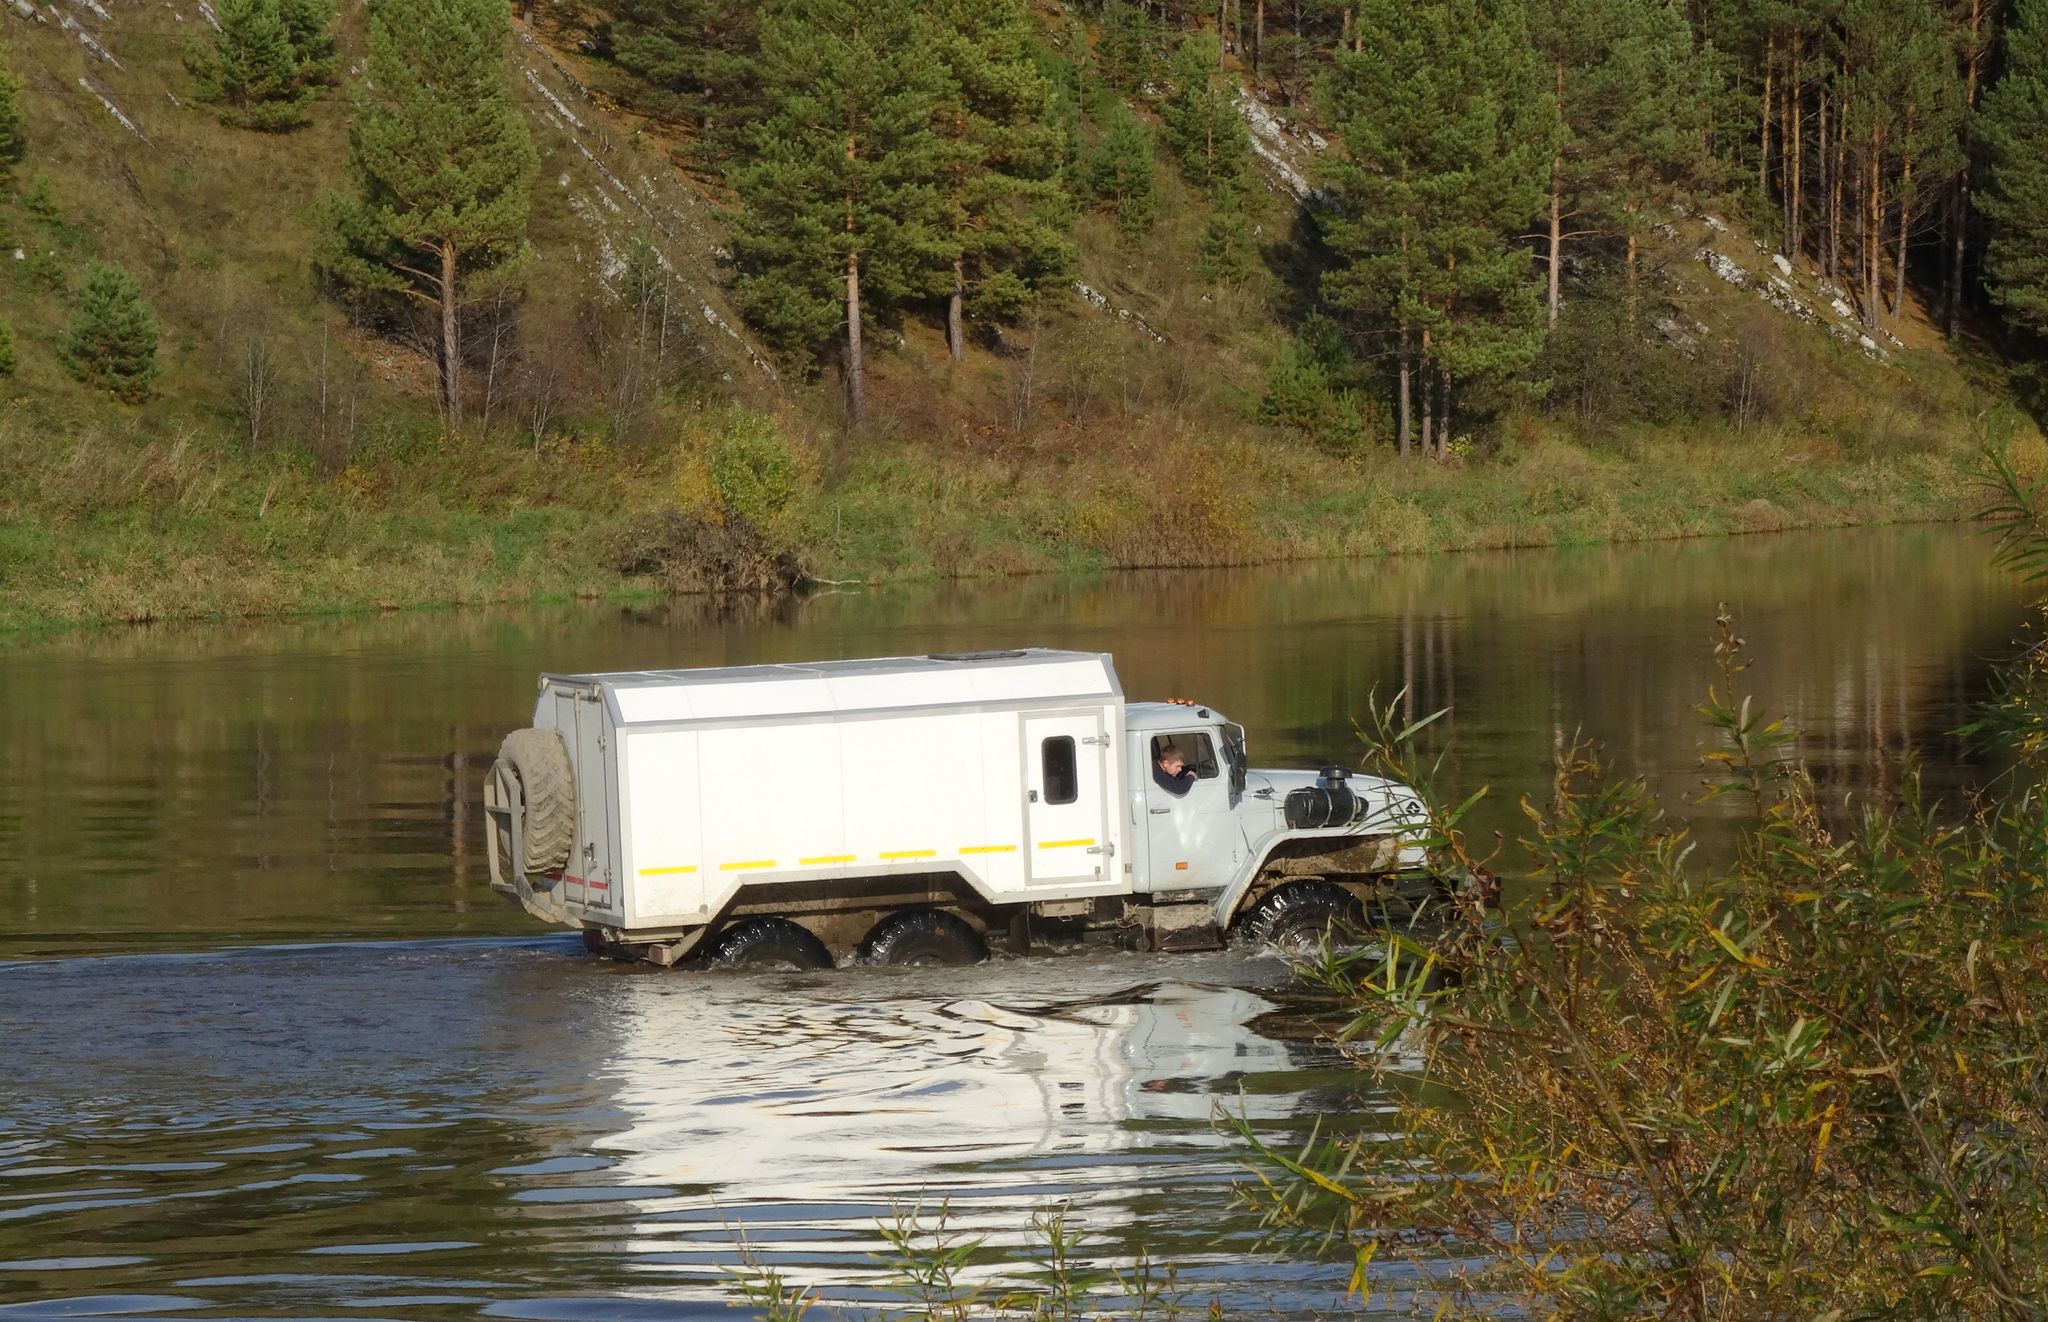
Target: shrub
point(1802, 1083)
point(6, 350)
point(113, 337)
point(755, 472)
point(1301, 393)
point(1297, 390)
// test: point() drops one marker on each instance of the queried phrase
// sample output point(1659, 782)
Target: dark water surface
point(202, 1115)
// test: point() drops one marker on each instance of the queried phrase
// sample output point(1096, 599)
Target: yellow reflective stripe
point(1063, 844)
point(824, 859)
point(668, 872)
point(988, 849)
point(750, 863)
point(908, 853)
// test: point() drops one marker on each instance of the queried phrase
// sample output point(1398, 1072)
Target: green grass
point(111, 528)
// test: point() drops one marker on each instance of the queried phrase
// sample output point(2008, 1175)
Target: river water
point(269, 1047)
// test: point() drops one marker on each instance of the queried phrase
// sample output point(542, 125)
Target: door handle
point(1161, 812)
point(1034, 796)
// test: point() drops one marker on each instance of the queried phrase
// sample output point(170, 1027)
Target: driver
point(1171, 770)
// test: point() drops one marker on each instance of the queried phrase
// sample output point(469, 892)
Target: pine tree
point(2014, 124)
point(309, 26)
point(263, 68)
point(1009, 211)
point(113, 335)
point(443, 165)
point(1901, 114)
point(1230, 251)
point(1202, 127)
point(696, 59)
point(1630, 107)
point(1440, 167)
point(1117, 172)
point(1654, 107)
point(842, 219)
point(1123, 49)
point(13, 128)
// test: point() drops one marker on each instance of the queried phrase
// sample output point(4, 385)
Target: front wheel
point(923, 938)
point(1296, 918)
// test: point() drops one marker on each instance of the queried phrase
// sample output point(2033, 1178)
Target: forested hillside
point(458, 300)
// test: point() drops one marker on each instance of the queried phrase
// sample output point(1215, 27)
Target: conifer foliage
point(1117, 172)
point(266, 62)
point(13, 128)
point(843, 218)
point(443, 164)
point(1007, 210)
point(1202, 127)
point(113, 335)
point(695, 62)
point(1445, 135)
point(2016, 127)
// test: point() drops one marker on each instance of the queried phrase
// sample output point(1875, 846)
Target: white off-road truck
point(904, 810)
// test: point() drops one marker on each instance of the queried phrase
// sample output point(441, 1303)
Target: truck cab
point(1225, 834)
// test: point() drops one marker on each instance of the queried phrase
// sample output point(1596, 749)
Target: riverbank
point(119, 529)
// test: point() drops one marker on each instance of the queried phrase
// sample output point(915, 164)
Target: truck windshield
point(1233, 753)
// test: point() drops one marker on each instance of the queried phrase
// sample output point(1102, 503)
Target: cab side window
point(1195, 748)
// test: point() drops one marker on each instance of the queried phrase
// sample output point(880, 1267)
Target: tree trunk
point(1872, 235)
point(956, 325)
point(1629, 294)
point(1556, 206)
point(1962, 199)
point(1763, 163)
point(1428, 413)
point(1345, 38)
point(1258, 39)
point(1443, 426)
point(1556, 229)
point(856, 383)
point(1960, 222)
point(1837, 275)
point(1795, 242)
point(1222, 31)
point(1788, 134)
point(1821, 141)
point(1905, 217)
point(451, 342)
point(1401, 432)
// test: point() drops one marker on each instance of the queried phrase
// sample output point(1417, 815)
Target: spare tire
point(537, 763)
point(923, 938)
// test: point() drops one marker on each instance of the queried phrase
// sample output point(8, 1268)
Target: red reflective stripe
point(593, 885)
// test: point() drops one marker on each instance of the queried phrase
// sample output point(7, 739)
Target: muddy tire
point(1294, 919)
point(538, 763)
point(767, 943)
point(923, 938)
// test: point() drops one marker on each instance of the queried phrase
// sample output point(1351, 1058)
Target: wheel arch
point(1250, 879)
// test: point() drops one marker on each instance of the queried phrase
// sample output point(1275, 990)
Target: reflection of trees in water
point(320, 775)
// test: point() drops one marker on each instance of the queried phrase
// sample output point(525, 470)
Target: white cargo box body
point(997, 767)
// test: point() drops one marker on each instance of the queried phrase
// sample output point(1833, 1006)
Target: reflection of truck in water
point(904, 809)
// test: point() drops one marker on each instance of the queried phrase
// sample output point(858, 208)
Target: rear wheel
point(923, 937)
point(1296, 918)
point(767, 943)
